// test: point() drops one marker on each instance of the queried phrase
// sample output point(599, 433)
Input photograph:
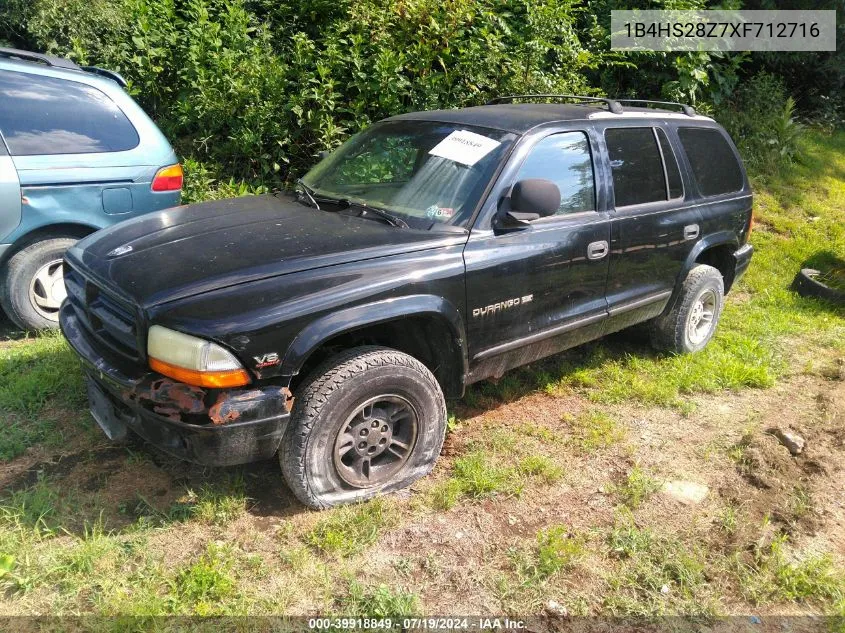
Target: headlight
point(193, 360)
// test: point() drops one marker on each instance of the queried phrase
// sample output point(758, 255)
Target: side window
point(712, 160)
point(673, 174)
point(45, 115)
point(636, 164)
point(565, 160)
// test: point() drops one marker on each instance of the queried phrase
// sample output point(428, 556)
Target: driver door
point(535, 290)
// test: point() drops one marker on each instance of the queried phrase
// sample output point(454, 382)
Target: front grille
point(110, 320)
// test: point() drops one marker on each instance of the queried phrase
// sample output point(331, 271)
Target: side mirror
point(323, 154)
point(534, 198)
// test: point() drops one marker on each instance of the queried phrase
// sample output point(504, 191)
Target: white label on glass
point(464, 147)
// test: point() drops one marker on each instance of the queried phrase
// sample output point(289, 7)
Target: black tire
point(329, 403)
point(676, 330)
point(807, 284)
point(17, 279)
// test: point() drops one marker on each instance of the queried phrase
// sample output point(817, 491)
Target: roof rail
point(110, 74)
point(50, 60)
point(687, 109)
point(60, 62)
point(612, 105)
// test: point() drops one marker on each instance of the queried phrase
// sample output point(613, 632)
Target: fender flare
point(721, 238)
point(326, 327)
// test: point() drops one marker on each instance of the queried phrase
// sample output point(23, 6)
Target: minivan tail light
point(168, 178)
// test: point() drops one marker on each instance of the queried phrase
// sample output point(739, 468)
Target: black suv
point(431, 251)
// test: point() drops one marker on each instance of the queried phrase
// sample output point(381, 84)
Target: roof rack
point(109, 74)
point(50, 60)
point(687, 109)
point(612, 105)
point(60, 62)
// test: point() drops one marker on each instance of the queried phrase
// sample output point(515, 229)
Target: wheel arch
point(714, 250)
point(46, 232)
point(427, 327)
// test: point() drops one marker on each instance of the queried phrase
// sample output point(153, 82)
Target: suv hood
point(198, 248)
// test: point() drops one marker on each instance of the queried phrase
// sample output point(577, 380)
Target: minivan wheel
point(31, 285)
point(690, 321)
point(368, 421)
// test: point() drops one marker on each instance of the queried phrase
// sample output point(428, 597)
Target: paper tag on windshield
point(464, 147)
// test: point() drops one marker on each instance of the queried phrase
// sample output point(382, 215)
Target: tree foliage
point(256, 89)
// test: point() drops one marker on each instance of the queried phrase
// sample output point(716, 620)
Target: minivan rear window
point(713, 162)
point(46, 115)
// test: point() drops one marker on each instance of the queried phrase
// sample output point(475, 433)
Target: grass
point(595, 429)
point(636, 488)
point(218, 504)
point(772, 577)
point(351, 529)
point(481, 475)
point(656, 574)
point(204, 584)
point(541, 468)
point(556, 550)
point(43, 371)
point(39, 377)
point(378, 602)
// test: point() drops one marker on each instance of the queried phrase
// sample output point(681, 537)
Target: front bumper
point(210, 427)
point(742, 257)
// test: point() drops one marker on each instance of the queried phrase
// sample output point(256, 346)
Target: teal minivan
point(77, 154)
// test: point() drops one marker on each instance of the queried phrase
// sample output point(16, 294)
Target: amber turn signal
point(209, 379)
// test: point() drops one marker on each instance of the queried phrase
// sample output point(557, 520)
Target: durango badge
point(502, 305)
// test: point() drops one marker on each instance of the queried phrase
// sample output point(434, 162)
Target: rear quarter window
point(46, 115)
point(714, 164)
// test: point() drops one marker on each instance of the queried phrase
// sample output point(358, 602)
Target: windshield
point(425, 172)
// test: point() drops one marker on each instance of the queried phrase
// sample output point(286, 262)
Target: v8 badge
point(266, 360)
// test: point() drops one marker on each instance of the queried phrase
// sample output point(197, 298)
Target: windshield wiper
point(309, 193)
point(391, 219)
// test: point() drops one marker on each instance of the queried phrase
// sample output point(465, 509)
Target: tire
point(702, 293)
point(29, 293)
point(807, 284)
point(325, 445)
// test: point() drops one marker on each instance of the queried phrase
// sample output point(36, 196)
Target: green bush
point(760, 117)
point(253, 90)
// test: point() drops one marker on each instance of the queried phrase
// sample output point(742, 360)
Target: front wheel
point(690, 321)
point(32, 287)
point(370, 420)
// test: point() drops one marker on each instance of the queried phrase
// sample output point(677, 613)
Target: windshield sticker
point(464, 147)
point(439, 212)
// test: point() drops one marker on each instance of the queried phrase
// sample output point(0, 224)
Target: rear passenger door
point(654, 225)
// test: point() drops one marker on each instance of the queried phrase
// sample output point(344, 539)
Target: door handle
point(597, 250)
point(690, 231)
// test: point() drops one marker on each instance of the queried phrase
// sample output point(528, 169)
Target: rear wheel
point(368, 421)
point(690, 322)
point(31, 285)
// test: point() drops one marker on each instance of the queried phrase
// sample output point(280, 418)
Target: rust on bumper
point(174, 400)
point(231, 405)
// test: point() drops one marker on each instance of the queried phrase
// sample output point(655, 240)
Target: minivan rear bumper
point(742, 258)
point(241, 426)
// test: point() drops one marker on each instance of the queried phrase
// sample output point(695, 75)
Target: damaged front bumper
point(215, 427)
